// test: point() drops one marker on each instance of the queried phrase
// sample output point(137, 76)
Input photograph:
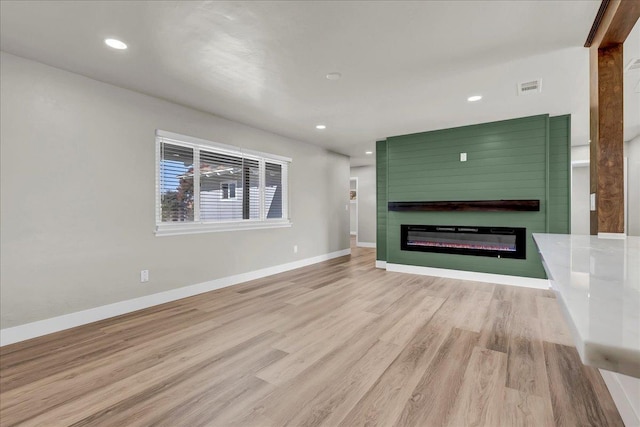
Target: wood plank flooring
point(334, 344)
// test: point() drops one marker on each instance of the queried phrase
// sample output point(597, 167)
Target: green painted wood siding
point(381, 200)
point(506, 160)
point(559, 174)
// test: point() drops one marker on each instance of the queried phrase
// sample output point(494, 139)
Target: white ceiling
point(407, 66)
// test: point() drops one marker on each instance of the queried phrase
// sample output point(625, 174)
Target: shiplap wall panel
point(559, 174)
point(505, 160)
point(381, 200)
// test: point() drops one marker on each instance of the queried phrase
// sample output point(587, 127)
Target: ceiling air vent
point(633, 65)
point(528, 88)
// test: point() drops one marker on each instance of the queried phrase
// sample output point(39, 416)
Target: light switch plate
point(463, 157)
point(593, 202)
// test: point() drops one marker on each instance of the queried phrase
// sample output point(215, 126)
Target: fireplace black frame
point(520, 234)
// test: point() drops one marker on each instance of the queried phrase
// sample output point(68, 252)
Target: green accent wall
point(510, 159)
point(559, 175)
point(381, 200)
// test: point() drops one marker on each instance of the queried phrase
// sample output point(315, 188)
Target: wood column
point(607, 179)
point(612, 25)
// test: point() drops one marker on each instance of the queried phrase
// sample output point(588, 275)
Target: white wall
point(77, 197)
point(580, 184)
point(632, 153)
point(366, 202)
point(580, 216)
point(580, 153)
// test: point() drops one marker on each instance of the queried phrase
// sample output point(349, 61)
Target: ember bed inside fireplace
point(500, 242)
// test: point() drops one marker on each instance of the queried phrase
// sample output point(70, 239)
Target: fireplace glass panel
point(503, 242)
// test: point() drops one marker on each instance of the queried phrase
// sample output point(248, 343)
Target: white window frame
point(199, 226)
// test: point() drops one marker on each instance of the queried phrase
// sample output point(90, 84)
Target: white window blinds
point(176, 183)
point(209, 184)
point(273, 190)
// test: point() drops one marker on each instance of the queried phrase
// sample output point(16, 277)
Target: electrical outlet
point(295, 249)
point(144, 276)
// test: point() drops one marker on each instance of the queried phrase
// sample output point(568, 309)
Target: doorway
point(353, 208)
point(580, 204)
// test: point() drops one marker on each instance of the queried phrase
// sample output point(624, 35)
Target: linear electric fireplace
point(500, 242)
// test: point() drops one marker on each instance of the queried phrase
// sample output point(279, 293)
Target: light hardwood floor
point(334, 344)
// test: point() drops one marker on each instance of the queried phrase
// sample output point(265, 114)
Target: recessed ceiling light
point(368, 152)
point(116, 44)
point(474, 98)
point(321, 127)
point(334, 76)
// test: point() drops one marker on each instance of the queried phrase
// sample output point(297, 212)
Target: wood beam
point(614, 22)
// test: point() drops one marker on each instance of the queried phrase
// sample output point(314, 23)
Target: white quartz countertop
point(597, 282)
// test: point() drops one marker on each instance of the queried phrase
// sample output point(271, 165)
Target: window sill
point(168, 229)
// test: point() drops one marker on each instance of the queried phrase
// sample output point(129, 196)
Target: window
point(228, 190)
point(203, 186)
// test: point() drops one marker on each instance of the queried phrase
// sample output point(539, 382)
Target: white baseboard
point(381, 264)
point(71, 320)
point(502, 279)
point(366, 244)
point(625, 392)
